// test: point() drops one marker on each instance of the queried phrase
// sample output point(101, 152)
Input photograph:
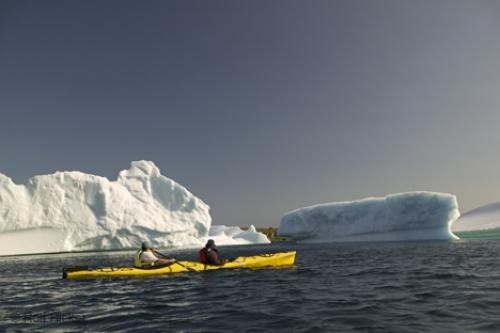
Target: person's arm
point(163, 258)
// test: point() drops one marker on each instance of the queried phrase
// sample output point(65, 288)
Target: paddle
point(176, 262)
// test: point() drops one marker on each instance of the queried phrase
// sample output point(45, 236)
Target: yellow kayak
point(258, 261)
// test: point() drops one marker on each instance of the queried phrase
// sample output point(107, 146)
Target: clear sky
point(257, 107)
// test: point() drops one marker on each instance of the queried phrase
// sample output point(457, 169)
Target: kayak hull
point(270, 260)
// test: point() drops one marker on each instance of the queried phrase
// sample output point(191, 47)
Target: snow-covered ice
point(231, 235)
point(483, 218)
point(403, 216)
point(71, 210)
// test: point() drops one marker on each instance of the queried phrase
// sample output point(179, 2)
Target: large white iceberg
point(71, 211)
point(404, 216)
point(480, 219)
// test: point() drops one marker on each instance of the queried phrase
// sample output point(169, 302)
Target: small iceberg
point(232, 235)
point(482, 222)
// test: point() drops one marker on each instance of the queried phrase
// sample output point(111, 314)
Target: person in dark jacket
point(209, 255)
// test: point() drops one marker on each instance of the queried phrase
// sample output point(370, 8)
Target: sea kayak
point(258, 261)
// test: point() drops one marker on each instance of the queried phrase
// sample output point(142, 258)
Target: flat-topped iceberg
point(70, 211)
point(404, 216)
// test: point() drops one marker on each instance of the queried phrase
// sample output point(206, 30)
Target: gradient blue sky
point(258, 107)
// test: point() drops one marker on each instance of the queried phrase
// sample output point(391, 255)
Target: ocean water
point(376, 287)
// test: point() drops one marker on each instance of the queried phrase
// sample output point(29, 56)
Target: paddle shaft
point(161, 254)
point(178, 263)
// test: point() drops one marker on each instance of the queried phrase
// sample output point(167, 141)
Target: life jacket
point(137, 259)
point(203, 255)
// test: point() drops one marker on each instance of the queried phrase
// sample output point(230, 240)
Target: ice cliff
point(69, 211)
point(404, 216)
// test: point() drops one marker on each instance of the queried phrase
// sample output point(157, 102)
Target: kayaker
point(146, 257)
point(209, 255)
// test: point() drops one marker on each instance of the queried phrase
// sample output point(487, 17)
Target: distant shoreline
point(479, 234)
point(272, 234)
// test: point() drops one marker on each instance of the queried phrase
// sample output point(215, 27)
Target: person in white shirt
point(146, 257)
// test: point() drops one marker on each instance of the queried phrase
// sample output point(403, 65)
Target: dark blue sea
point(343, 287)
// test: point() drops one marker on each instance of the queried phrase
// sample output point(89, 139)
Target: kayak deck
point(259, 261)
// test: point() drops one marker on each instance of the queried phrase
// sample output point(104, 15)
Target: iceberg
point(74, 211)
point(232, 235)
point(483, 218)
point(403, 216)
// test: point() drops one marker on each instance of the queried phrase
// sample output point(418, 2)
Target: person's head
point(145, 246)
point(210, 244)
